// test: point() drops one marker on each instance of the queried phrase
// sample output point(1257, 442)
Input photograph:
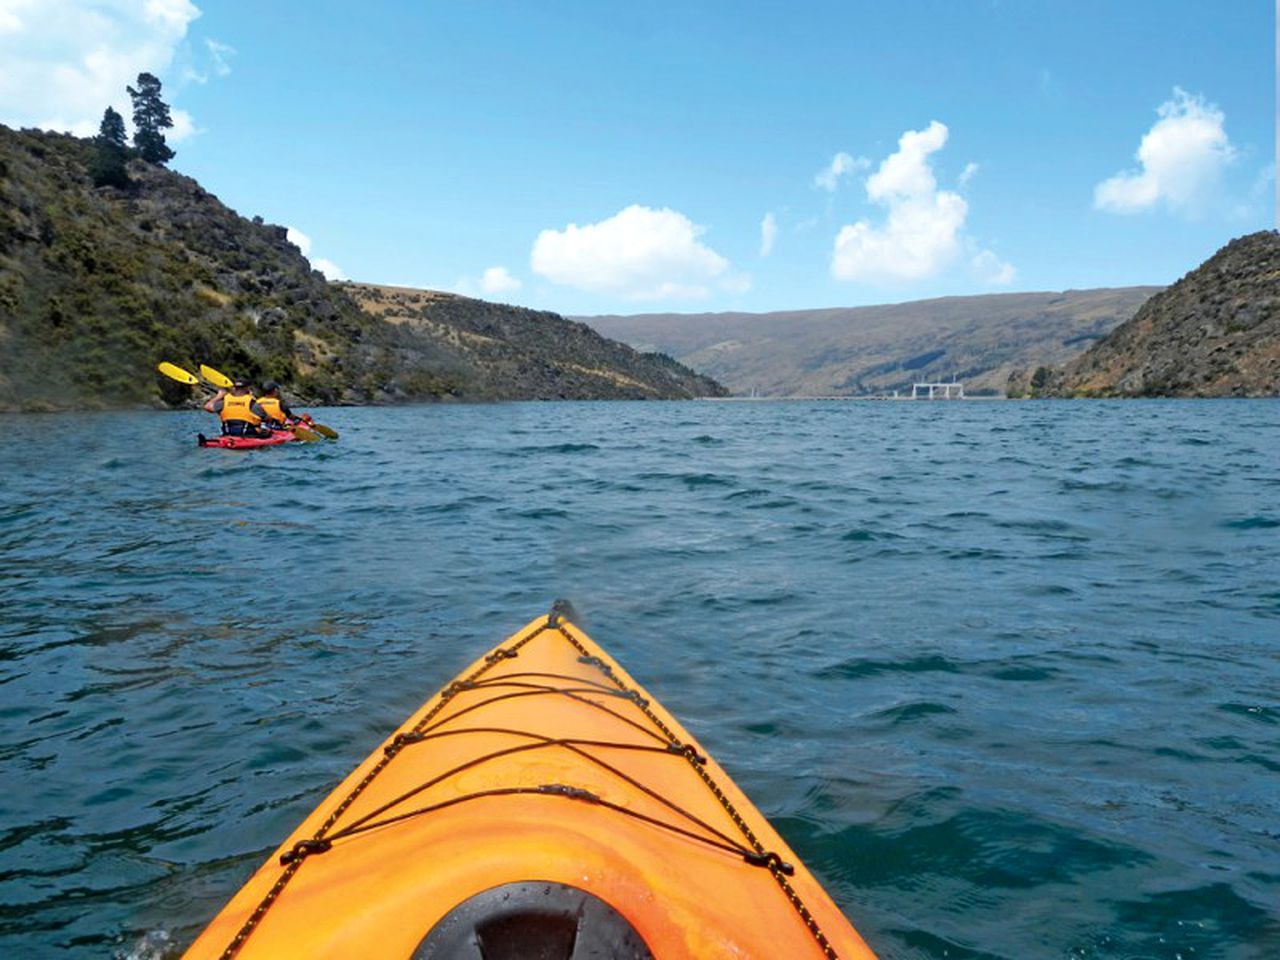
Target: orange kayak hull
point(545, 761)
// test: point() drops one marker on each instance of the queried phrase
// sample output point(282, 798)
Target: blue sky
point(619, 157)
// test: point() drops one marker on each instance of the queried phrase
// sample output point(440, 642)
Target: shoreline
point(145, 408)
point(836, 397)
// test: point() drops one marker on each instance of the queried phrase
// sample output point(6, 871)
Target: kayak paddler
point(240, 413)
point(278, 414)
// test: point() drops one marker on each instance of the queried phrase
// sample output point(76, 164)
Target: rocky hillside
point(98, 284)
point(512, 353)
point(1214, 333)
point(979, 340)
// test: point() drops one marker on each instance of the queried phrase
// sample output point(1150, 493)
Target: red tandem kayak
point(247, 443)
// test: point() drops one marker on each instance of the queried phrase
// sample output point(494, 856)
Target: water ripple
point(1004, 675)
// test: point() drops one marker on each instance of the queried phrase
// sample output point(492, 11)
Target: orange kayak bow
point(541, 805)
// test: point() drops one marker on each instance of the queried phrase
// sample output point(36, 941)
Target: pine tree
point(108, 160)
point(150, 119)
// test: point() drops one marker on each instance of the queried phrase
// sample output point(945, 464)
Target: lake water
point(1006, 675)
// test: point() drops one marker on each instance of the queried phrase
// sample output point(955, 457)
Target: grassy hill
point(98, 284)
point(513, 353)
point(981, 340)
point(1214, 333)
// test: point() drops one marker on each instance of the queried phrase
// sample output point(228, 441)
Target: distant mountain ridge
point(1214, 333)
point(851, 351)
point(98, 284)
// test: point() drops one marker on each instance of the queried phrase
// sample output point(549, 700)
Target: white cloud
point(220, 54)
point(330, 269)
point(216, 61)
point(1182, 158)
point(499, 280)
point(10, 22)
point(768, 233)
point(183, 126)
point(967, 174)
point(906, 174)
point(495, 281)
point(921, 232)
point(176, 13)
point(991, 270)
point(65, 61)
point(299, 239)
point(923, 229)
point(639, 253)
point(303, 242)
point(919, 238)
point(841, 165)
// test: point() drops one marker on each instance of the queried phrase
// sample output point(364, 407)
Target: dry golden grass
point(312, 354)
point(611, 375)
point(210, 295)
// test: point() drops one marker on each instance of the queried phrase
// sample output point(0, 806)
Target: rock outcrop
point(1214, 333)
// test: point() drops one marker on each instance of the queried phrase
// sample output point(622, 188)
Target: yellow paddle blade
point(214, 377)
point(175, 372)
point(302, 433)
point(324, 431)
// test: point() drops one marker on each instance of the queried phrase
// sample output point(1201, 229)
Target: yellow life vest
point(237, 408)
point(272, 406)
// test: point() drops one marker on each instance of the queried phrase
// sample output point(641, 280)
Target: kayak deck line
point(304, 848)
point(291, 868)
point(607, 693)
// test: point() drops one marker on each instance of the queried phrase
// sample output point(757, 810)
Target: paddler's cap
point(240, 384)
point(270, 385)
